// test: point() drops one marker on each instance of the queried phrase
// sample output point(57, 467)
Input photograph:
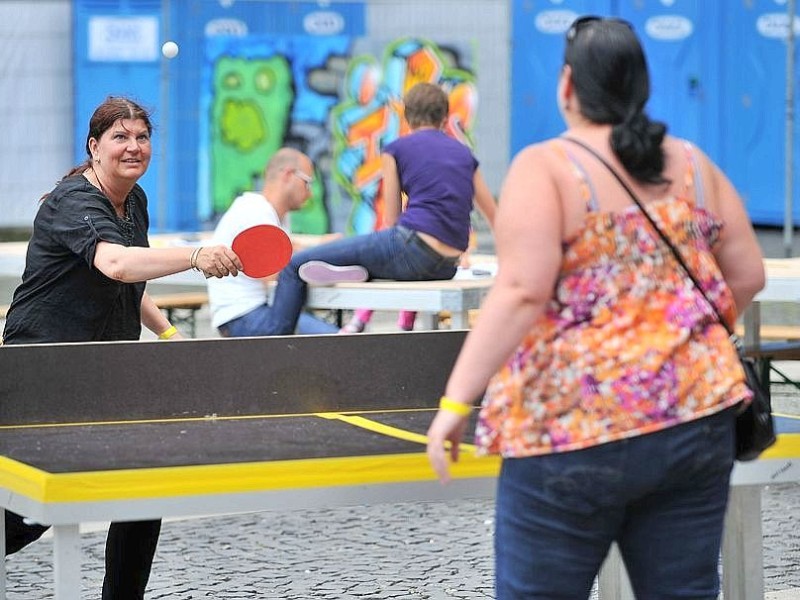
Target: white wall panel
point(35, 103)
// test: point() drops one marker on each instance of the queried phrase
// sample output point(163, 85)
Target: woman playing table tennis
point(84, 280)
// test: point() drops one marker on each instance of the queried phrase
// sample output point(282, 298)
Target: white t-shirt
point(232, 297)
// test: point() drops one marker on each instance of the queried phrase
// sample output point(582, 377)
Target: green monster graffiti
point(250, 114)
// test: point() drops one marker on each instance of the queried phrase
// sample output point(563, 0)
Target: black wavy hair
point(610, 77)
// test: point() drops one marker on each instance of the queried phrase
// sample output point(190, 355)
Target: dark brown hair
point(113, 109)
point(426, 104)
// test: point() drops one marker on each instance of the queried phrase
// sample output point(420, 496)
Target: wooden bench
point(774, 332)
point(180, 307)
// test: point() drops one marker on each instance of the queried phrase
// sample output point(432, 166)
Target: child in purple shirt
point(440, 176)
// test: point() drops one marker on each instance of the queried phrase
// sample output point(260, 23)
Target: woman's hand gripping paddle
point(263, 249)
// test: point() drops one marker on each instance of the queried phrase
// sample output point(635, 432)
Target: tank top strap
point(584, 183)
point(693, 179)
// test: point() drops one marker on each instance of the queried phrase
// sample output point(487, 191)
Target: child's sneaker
point(353, 326)
point(317, 272)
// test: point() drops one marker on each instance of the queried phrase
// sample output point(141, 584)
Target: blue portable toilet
point(682, 43)
point(537, 53)
point(117, 52)
point(753, 106)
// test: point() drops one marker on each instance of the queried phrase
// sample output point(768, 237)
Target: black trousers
point(130, 547)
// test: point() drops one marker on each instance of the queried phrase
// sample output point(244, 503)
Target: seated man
point(239, 306)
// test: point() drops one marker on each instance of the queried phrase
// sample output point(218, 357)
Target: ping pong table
point(141, 430)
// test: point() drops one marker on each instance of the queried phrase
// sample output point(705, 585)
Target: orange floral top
point(626, 346)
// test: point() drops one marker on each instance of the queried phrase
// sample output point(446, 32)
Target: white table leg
point(430, 320)
point(742, 545)
point(67, 562)
point(613, 583)
point(459, 320)
point(3, 554)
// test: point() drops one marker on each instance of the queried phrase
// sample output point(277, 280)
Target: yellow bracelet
point(459, 408)
point(168, 333)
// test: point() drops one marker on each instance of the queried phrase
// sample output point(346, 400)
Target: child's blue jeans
point(395, 253)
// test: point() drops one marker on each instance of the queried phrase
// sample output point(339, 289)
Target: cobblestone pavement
point(431, 551)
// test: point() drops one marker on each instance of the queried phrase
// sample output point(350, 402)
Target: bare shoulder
point(675, 148)
point(538, 160)
point(541, 151)
point(536, 176)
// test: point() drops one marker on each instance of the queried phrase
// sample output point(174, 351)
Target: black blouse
point(63, 297)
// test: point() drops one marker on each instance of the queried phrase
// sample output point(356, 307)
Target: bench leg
point(189, 319)
point(752, 324)
point(742, 545)
point(3, 554)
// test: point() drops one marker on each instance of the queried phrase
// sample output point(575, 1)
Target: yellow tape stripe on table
point(166, 482)
point(129, 484)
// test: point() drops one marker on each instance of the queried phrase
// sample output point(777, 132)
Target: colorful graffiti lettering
point(370, 116)
point(263, 92)
point(311, 93)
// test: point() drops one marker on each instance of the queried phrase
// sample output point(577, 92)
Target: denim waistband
point(413, 237)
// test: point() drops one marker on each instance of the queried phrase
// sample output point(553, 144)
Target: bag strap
point(660, 232)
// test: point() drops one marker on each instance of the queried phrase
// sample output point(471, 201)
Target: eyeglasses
point(583, 22)
point(306, 179)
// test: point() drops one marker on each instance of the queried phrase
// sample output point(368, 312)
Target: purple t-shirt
point(436, 173)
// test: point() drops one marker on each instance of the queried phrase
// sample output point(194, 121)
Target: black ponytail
point(637, 142)
point(611, 80)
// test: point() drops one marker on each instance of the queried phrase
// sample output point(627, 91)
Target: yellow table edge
point(167, 482)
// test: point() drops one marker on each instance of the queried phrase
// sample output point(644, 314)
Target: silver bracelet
point(193, 258)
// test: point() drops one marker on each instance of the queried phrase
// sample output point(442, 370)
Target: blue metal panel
point(116, 52)
point(538, 30)
point(191, 22)
point(718, 73)
point(682, 44)
point(754, 107)
point(170, 88)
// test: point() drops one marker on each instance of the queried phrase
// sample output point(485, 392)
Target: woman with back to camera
point(84, 281)
point(611, 389)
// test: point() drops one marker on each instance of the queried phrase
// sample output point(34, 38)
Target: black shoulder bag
point(755, 429)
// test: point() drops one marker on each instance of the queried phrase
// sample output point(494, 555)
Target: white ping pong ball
point(169, 49)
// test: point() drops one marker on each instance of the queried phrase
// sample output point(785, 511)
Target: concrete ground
point(433, 551)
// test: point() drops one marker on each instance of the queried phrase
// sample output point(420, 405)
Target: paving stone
point(214, 557)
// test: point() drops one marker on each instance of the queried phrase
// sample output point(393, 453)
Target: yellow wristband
point(459, 408)
point(168, 333)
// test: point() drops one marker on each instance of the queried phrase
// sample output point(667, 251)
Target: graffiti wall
point(370, 115)
point(338, 99)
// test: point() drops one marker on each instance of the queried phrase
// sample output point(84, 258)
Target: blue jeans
point(396, 253)
point(661, 497)
point(256, 323)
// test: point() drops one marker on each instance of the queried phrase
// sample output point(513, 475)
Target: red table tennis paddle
point(263, 249)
